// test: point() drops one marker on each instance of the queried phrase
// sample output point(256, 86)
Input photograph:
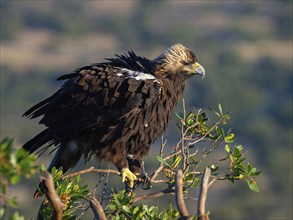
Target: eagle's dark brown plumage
point(113, 109)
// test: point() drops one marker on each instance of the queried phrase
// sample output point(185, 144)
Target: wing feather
point(95, 97)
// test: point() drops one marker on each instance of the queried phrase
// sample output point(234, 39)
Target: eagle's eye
point(185, 63)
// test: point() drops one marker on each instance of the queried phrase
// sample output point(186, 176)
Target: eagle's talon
point(146, 185)
point(128, 176)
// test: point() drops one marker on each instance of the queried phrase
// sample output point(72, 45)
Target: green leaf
point(229, 138)
point(218, 131)
point(236, 153)
point(239, 147)
point(135, 210)
point(227, 149)
point(177, 161)
point(117, 201)
point(253, 170)
point(142, 213)
point(249, 167)
point(12, 202)
point(127, 209)
point(179, 115)
point(6, 145)
point(112, 207)
point(196, 182)
point(14, 179)
point(188, 177)
point(212, 110)
point(220, 108)
point(13, 160)
point(255, 173)
point(240, 160)
point(161, 160)
point(214, 167)
point(16, 216)
point(253, 185)
point(190, 122)
point(2, 212)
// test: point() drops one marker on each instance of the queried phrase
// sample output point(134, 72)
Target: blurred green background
point(245, 47)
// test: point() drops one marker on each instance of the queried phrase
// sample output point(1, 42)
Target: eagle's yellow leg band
point(128, 176)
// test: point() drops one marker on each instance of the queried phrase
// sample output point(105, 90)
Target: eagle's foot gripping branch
point(128, 176)
point(146, 179)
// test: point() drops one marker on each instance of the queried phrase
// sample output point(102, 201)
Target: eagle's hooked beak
point(199, 70)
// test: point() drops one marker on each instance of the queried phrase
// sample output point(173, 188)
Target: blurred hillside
point(245, 47)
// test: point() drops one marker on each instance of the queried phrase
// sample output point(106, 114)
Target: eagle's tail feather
point(38, 141)
point(67, 156)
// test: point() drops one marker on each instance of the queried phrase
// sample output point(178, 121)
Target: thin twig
point(161, 166)
point(154, 195)
point(92, 169)
point(97, 209)
point(205, 154)
point(104, 189)
point(160, 181)
point(47, 185)
point(179, 195)
point(211, 183)
point(207, 133)
point(183, 153)
point(156, 173)
point(163, 143)
point(194, 154)
point(99, 182)
point(193, 125)
point(183, 106)
point(201, 212)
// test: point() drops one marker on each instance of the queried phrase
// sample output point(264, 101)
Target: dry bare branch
point(179, 196)
point(97, 209)
point(201, 212)
point(47, 185)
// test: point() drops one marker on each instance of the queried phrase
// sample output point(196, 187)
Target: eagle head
point(178, 60)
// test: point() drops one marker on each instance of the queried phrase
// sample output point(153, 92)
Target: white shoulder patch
point(135, 74)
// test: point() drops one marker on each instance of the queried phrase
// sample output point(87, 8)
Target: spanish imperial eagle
point(113, 109)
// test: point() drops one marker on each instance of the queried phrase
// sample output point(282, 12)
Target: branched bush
point(185, 168)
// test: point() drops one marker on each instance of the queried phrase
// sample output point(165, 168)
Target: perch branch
point(201, 212)
point(47, 185)
point(179, 196)
point(92, 169)
point(97, 209)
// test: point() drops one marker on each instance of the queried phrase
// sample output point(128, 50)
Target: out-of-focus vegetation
point(246, 48)
point(14, 164)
